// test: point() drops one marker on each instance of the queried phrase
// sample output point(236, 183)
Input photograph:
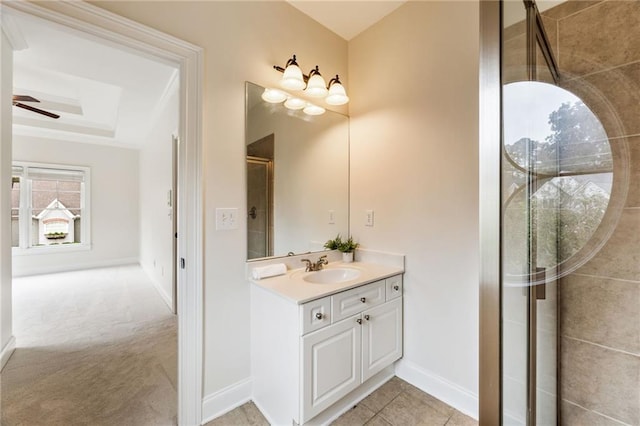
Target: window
point(49, 206)
point(558, 180)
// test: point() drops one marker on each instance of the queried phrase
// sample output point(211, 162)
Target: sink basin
point(332, 276)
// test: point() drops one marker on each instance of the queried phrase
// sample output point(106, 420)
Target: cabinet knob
point(366, 317)
point(359, 321)
point(396, 288)
point(363, 300)
point(319, 315)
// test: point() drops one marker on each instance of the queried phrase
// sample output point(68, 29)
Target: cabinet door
point(381, 337)
point(331, 365)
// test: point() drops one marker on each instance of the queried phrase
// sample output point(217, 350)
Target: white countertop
point(291, 286)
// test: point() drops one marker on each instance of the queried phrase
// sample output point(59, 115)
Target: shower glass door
point(530, 223)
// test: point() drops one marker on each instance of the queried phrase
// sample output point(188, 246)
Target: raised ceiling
point(347, 18)
point(103, 93)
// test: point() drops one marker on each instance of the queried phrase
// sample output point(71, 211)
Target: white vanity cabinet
point(303, 362)
point(340, 357)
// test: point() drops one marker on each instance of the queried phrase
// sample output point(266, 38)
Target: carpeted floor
point(95, 347)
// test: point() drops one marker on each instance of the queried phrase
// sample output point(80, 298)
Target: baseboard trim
point(454, 395)
point(68, 267)
point(226, 399)
point(7, 351)
point(163, 294)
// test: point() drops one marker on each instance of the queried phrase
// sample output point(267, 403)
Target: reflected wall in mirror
point(297, 177)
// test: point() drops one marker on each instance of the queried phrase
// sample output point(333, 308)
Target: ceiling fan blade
point(37, 110)
point(24, 98)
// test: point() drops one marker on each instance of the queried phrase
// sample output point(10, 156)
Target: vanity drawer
point(394, 287)
point(315, 314)
point(356, 300)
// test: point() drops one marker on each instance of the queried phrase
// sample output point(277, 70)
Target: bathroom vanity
point(316, 343)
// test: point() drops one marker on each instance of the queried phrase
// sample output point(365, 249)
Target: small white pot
point(347, 257)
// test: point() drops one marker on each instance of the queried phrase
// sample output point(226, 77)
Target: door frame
point(121, 31)
point(490, 156)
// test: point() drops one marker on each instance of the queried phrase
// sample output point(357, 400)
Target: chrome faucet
point(315, 266)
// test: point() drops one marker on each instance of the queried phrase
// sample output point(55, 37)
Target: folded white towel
point(268, 271)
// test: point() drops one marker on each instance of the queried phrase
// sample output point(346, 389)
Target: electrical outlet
point(368, 218)
point(332, 217)
point(226, 219)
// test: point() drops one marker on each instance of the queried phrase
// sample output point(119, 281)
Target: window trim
point(25, 208)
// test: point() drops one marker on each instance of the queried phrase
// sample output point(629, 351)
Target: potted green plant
point(347, 247)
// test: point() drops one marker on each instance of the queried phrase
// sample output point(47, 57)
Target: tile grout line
point(580, 274)
point(594, 411)
point(386, 405)
point(622, 351)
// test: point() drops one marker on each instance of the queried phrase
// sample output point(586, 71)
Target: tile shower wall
point(597, 44)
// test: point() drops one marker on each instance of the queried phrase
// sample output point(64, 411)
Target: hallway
point(94, 347)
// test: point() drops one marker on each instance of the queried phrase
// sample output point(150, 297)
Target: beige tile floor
point(396, 403)
point(94, 347)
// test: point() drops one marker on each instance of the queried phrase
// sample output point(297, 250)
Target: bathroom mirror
point(297, 177)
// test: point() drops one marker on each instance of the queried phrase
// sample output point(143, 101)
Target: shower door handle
point(541, 289)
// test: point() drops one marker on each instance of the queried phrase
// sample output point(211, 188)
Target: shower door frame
point(490, 179)
point(490, 216)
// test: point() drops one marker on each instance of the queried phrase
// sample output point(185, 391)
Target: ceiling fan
point(18, 99)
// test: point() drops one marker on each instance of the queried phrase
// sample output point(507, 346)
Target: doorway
point(116, 30)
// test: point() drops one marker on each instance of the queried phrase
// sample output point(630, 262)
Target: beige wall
point(156, 179)
point(242, 41)
point(414, 161)
point(598, 49)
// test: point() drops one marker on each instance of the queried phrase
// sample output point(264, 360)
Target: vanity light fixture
point(316, 87)
point(337, 94)
point(292, 77)
point(313, 84)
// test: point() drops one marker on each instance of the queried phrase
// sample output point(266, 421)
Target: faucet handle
point(308, 268)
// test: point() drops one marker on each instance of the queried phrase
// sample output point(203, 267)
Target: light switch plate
point(368, 218)
point(332, 217)
point(226, 219)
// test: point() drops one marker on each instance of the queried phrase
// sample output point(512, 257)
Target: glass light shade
point(273, 96)
point(316, 86)
point(337, 95)
point(312, 109)
point(292, 78)
point(295, 103)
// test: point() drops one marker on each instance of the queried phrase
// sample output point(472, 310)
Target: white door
point(381, 337)
point(331, 365)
